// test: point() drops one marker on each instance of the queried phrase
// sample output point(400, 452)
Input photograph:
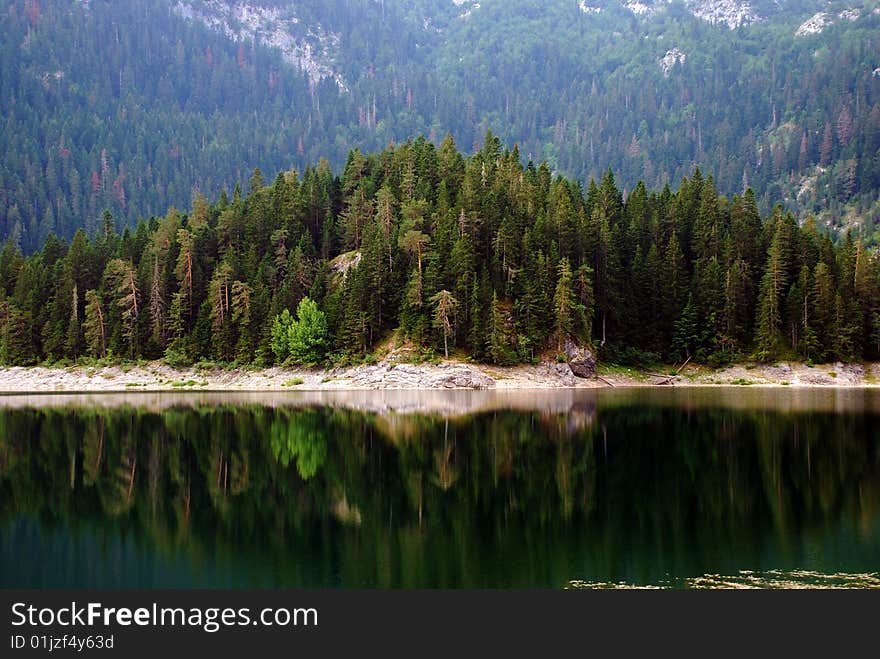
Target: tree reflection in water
point(315, 496)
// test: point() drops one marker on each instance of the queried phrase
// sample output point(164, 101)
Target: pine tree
point(803, 336)
point(737, 302)
point(606, 268)
point(415, 243)
point(463, 271)
point(674, 286)
point(374, 267)
point(866, 286)
point(95, 326)
point(15, 327)
point(198, 219)
point(157, 305)
point(412, 319)
point(687, 332)
point(826, 146)
point(445, 306)
point(770, 299)
point(185, 270)
point(824, 303)
point(242, 294)
point(710, 292)
point(385, 215)
point(73, 345)
point(583, 285)
point(564, 218)
point(847, 316)
point(707, 226)
point(499, 348)
point(566, 309)
point(220, 301)
point(354, 218)
point(120, 281)
point(11, 261)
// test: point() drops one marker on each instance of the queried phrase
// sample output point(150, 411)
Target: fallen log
point(683, 365)
point(669, 379)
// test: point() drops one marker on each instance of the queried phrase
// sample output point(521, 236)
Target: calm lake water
point(668, 487)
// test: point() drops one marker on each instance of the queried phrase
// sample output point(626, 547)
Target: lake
point(668, 487)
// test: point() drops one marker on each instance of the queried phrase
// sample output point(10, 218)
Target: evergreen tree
point(687, 331)
point(119, 278)
point(770, 299)
point(498, 259)
point(445, 306)
point(95, 325)
point(15, 346)
point(566, 309)
point(73, 345)
point(499, 348)
point(824, 306)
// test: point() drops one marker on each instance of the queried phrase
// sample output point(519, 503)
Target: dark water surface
point(672, 487)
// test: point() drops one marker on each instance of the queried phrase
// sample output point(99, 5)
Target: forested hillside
point(478, 256)
point(133, 106)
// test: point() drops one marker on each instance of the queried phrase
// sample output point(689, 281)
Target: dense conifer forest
point(98, 113)
point(479, 257)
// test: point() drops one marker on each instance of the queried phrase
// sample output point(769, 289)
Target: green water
point(681, 488)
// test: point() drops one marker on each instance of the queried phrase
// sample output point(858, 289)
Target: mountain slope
point(135, 105)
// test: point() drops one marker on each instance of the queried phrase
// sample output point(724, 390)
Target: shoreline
point(445, 375)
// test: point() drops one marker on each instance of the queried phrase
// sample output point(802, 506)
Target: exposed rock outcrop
point(671, 59)
point(581, 360)
point(814, 25)
point(462, 378)
point(730, 13)
point(589, 8)
point(308, 47)
point(559, 372)
point(412, 376)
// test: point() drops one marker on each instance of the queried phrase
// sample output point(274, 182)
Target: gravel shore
point(157, 376)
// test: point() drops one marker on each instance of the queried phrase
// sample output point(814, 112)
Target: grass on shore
point(622, 371)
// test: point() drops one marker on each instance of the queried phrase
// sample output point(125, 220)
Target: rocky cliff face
point(732, 13)
point(671, 59)
point(739, 13)
point(307, 47)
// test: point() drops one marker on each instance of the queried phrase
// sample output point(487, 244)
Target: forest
point(477, 257)
point(291, 475)
point(98, 115)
